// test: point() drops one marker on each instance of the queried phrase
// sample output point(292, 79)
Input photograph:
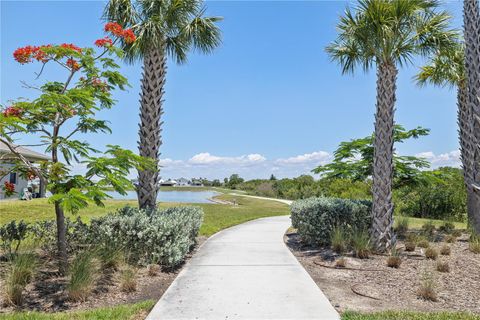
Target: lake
point(171, 196)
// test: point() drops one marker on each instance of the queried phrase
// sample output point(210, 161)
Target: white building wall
point(19, 186)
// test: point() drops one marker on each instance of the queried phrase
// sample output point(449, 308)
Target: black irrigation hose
point(354, 290)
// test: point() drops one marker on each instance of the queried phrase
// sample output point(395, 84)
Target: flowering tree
point(62, 111)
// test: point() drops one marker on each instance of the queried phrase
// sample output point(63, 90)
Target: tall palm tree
point(387, 34)
point(163, 28)
point(471, 23)
point(447, 68)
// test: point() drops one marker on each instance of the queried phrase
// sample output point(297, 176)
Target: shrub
point(443, 266)
point(445, 250)
point(450, 238)
point(423, 243)
point(474, 244)
point(447, 227)
point(158, 236)
point(427, 290)
point(153, 270)
point(456, 233)
point(428, 228)
point(410, 246)
point(19, 274)
point(110, 256)
point(128, 282)
point(394, 260)
point(341, 263)
point(439, 195)
point(315, 218)
point(339, 240)
point(11, 235)
point(401, 226)
point(77, 235)
point(361, 244)
point(431, 253)
point(82, 276)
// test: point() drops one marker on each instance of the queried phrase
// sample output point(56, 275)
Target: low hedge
point(150, 236)
point(314, 218)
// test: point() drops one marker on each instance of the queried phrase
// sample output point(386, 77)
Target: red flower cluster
point(129, 36)
point(9, 188)
point(116, 29)
point(71, 47)
point(12, 112)
point(26, 54)
point(103, 42)
point(73, 64)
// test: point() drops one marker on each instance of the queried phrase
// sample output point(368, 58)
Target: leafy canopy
point(390, 32)
point(60, 114)
point(353, 159)
point(446, 68)
point(179, 25)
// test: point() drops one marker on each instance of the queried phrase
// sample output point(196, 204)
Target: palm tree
point(387, 34)
point(471, 23)
point(163, 28)
point(447, 68)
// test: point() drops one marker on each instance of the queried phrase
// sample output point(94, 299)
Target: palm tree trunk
point(467, 146)
point(382, 223)
point(153, 81)
point(471, 17)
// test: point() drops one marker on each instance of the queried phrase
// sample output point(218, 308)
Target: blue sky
point(267, 101)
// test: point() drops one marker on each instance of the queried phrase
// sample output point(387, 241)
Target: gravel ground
point(394, 289)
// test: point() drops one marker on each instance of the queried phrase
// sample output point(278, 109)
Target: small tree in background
point(353, 160)
point(62, 111)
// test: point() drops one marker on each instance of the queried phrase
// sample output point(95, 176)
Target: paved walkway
point(245, 272)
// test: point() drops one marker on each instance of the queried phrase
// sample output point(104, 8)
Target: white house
point(182, 182)
point(6, 163)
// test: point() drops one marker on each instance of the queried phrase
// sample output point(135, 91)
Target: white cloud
point(206, 158)
point(451, 158)
point(255, 165)
point(319, 158)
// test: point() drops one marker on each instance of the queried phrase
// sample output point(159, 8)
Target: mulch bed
point(369, 285)
point(47, 292)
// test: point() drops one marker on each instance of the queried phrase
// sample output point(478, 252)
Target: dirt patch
point(47, 291)
point(393, 289)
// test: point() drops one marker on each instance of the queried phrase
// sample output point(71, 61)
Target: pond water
point(171, 196)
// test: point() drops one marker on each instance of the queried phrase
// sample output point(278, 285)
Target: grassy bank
point(217, 216)
point(121, 312)
point(407, 315)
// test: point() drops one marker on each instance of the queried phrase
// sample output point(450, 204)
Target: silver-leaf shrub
point(150, 236)
point(314, 218)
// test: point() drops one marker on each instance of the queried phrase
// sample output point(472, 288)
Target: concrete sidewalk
point(245, 272)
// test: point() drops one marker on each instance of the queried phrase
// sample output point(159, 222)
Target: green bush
point(440, 194)
point(158, 236)
point(315, 218)
point(77, 235)
point(11, 236)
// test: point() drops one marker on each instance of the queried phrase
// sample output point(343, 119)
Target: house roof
point(27, 153)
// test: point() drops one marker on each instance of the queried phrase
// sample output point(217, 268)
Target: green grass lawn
point(417, 223)
point(407, 315)
point(121, 312)
point(217, 216)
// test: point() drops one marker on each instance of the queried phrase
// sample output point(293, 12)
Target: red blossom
point(24, 55)
point(129, 36)
point(114, 28)
point(73, 64)
point(71, 46)
point(12, 112)
point(9, 188)
point(103, 42)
